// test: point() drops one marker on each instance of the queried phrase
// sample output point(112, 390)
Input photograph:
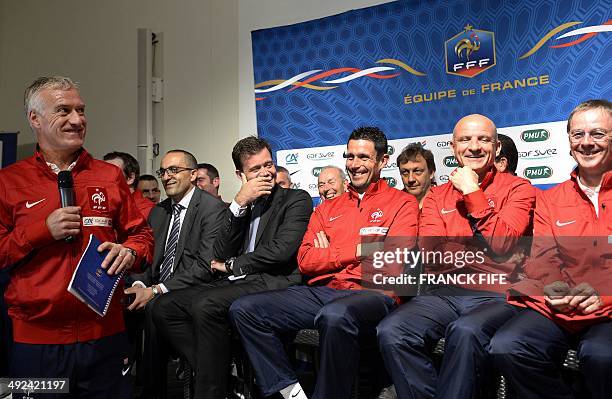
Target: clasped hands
point(582, 298)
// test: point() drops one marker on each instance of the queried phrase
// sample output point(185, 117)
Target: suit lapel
point(270, 209)
point(192, 210)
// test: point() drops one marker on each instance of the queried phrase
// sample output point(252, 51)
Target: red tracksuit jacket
point(42, 310)
point(571, 244)
point(346, 220)
point(501, 211)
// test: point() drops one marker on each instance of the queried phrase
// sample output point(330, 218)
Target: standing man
point(255, 251)
point(185, 226)
point(331, 182)
point(208, 179)
point(418, 169)
point(147, 184)
point(479, 212)
point(131, 170)
point(55, 334)
point(335, 302)
point(568, 289)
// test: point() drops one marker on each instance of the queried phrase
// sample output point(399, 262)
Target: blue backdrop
point(414, 68)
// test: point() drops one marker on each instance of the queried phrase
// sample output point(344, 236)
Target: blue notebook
point(90, 283)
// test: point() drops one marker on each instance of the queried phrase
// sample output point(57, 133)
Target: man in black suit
point(255, 251)
point(185, 226)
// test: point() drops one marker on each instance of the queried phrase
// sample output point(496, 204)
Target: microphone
point(66, 192)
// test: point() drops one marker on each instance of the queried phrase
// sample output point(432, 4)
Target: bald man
point(331, 182)
point(485, 213)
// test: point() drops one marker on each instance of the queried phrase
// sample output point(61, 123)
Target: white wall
point(95, 43)
point(207, 62)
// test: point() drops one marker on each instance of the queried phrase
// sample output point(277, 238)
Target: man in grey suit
point(185, 226)
point(255, 251)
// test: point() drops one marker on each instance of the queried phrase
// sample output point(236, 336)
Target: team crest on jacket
point(98, 199)
point(376, 216)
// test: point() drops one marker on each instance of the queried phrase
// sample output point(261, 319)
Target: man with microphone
point(55, 335)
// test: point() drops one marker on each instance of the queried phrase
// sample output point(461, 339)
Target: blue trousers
point(94, 368)
point(529, 350)
point(340, 316)
point(467, 319)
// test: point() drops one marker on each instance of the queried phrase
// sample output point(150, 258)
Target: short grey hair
point(340, 171)
point(31, 99)
point(602, 104)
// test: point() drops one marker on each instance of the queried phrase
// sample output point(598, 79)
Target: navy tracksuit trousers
point(340, 316)
point(466, 319)
point(530, 349)
point(95, 368)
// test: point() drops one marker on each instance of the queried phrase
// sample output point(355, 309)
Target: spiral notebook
point(90, 283)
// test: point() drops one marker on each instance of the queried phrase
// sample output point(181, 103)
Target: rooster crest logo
point(470, 52)
point(469, 45)
point(376, 215)
point(98, 198)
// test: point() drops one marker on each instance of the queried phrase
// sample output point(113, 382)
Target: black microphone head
point(64, 179)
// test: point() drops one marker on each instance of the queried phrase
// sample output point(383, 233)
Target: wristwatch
point(155, 291)
point(229, 265)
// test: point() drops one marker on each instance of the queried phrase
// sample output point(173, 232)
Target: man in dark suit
point(185, 226)
point(255, 251)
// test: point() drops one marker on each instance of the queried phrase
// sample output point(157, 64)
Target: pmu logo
point(470, 52)
point(532, 136)
point(451, 162)
point(538, 172)
point(391, 181)
point(316, 171)
point(291, 159)
point(390, 150)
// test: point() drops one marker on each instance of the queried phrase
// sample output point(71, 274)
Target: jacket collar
point(373, 189)
point(606, 180)
point(83, 158)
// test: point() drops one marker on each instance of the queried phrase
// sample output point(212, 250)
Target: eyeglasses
point(598, 135)
point(172, 170)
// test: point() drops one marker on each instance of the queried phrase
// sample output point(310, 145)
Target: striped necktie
point(166, 267)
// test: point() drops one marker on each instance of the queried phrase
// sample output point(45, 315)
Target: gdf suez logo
point(470, 52)
point(534, 135)
point(538, 172)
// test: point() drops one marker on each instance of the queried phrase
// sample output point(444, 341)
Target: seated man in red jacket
point(475, 220)
point(55, 334)
point(331, 256)
point(568, 290)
